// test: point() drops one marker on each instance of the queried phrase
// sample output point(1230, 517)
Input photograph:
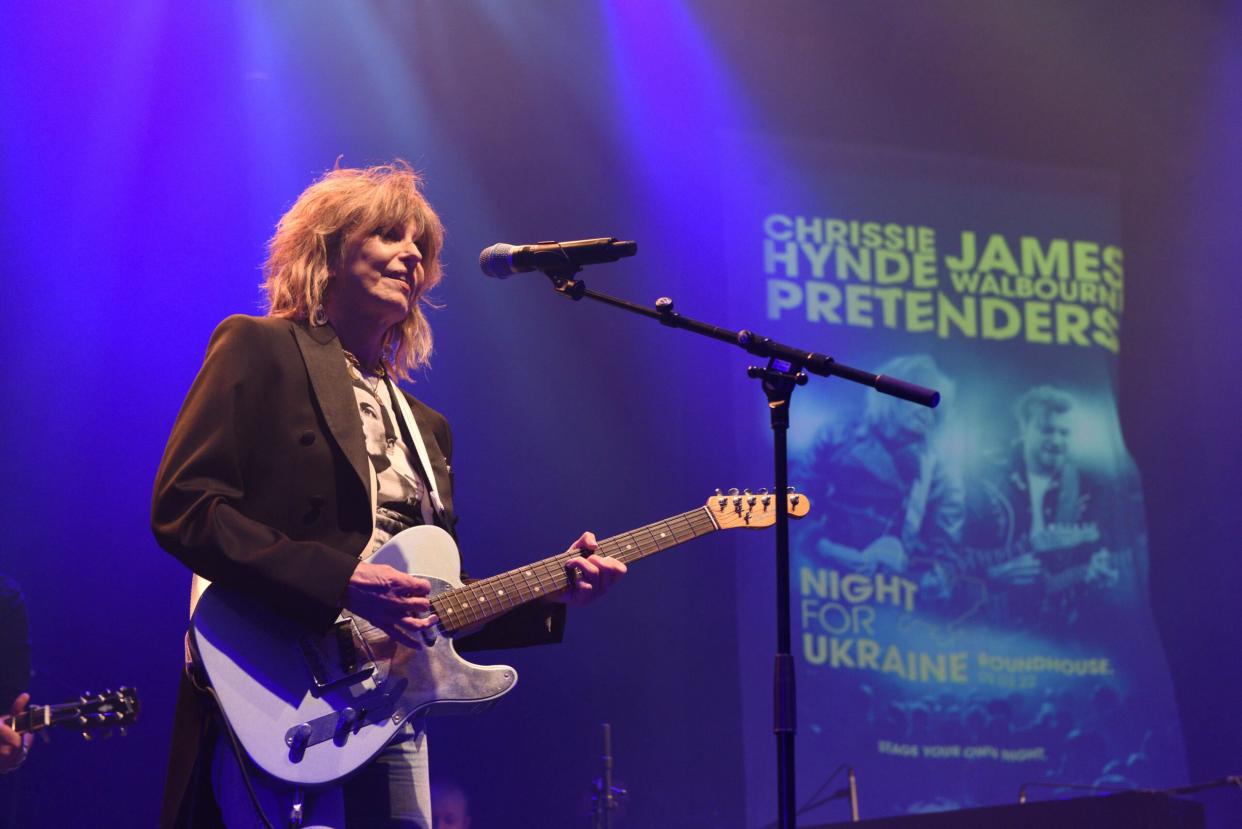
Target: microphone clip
point(564, 283)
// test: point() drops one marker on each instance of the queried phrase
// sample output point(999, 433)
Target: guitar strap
point(413, 436)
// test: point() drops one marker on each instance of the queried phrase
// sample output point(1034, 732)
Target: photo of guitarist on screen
point(892, 503)
point(1037, 530)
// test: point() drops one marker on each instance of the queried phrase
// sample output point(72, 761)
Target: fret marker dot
point(629, 546)
point(500, 592)
point(482, 599)
point(662, 535)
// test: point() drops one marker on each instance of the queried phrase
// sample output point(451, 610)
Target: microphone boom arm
point(564, 283)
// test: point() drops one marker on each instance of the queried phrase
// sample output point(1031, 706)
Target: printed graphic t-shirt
point(401, 492)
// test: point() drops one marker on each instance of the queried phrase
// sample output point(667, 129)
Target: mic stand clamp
point(564, 283)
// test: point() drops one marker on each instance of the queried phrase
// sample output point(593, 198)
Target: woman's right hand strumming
point(395, 602)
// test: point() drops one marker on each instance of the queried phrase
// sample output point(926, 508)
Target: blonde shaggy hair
point(310, 243)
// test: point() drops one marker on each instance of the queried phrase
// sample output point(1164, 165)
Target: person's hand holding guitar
point(13, 746)
point(395, 602)
point(590, 576)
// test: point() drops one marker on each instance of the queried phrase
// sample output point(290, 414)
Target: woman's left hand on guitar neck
point(590, 576)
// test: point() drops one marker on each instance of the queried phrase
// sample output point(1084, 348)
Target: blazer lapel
point(325, 365)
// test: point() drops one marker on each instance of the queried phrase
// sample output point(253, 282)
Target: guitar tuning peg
point(763, 490)
point(717, 490)
point(732, 490)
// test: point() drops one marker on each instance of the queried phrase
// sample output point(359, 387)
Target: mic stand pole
point(606, 803)
point(785, 371)
point(778, 383)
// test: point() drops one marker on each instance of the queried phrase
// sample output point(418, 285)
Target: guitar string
point(549, 575)
point(491, 597)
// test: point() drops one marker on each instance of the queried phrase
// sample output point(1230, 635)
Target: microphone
point(502, 261)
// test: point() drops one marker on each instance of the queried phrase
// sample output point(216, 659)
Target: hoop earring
point(318, 316)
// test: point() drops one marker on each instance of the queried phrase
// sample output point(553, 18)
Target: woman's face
point(380, 276)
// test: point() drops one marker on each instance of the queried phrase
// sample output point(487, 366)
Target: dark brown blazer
point(265, 488)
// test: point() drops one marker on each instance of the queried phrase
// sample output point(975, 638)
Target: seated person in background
point(450, 808)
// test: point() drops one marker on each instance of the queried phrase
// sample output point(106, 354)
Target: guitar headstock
point(111, 709)
point(753, 510)
point(90, 714)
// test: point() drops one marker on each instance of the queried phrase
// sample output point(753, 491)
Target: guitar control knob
point(348, 717)
point(298, 736)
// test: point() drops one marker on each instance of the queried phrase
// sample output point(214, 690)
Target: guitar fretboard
point(42, 716)
point(486, 599)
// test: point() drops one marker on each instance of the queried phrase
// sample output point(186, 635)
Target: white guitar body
point(309, 717)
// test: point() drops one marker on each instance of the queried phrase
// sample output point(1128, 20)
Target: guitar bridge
point(339, 658)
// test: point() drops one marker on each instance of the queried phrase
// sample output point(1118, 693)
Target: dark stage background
point(148, 148)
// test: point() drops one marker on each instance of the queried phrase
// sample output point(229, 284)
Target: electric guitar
point(1057, 545)
point(309, 709)
point(91, 713)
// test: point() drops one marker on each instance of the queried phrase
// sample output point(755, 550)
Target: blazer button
point(316, 510)
point(307, 438)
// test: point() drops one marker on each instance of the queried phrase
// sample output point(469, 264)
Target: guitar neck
point(37, 717)
point(978, 560)
point(489, 598)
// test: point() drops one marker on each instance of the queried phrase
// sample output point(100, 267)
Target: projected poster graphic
point(970, 589)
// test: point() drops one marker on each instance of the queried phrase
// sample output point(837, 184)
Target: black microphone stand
point(786, 369)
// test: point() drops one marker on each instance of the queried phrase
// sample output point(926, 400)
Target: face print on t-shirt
point(400, 497)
